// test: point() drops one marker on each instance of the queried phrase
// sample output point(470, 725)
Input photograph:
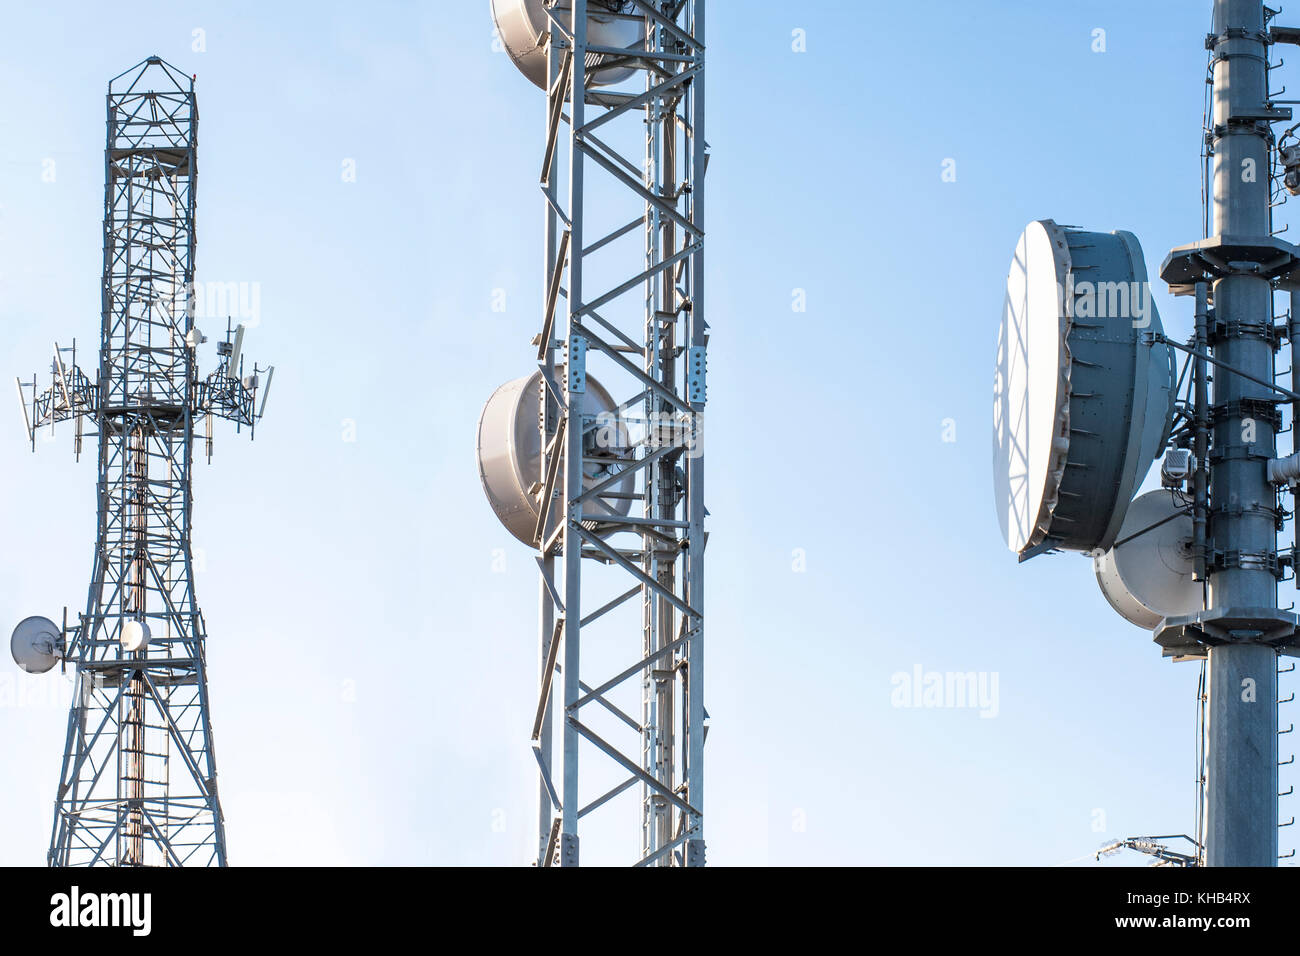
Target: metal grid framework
point(632, 312)
point(139, 782)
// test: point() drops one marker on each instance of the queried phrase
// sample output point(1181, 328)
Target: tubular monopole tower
point(1088, 394)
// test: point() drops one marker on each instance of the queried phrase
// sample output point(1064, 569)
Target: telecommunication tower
point(1088, 394)
point(606, 481)
point(139, 780)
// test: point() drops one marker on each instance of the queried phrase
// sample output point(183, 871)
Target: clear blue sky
point(371, 674)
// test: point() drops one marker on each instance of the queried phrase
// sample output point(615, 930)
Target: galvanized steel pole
point(1241, 765)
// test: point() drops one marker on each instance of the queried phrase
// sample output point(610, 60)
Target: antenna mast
point(139, 780)
point(663, 557)
point(614, 498)
point(1232, 275)
point(1083, 355)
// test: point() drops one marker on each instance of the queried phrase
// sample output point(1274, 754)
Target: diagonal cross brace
point(613, 753)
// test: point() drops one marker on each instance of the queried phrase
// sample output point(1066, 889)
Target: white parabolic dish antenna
point(510, 455)
point(1147, 575)
point(35, 644)
point(134, 635)
point(522, 26)
point(1082, 404)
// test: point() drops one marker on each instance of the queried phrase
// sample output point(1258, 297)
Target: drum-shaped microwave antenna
point(134, 635)
point(510, 454)
point(1082, 400)
point(36, 644)
point(1147, 574)
point(522, 27)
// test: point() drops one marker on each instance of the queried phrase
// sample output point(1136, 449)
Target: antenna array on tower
point(139, 780)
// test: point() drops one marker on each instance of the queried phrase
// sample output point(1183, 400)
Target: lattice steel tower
point(139, 779)
point(613, 499)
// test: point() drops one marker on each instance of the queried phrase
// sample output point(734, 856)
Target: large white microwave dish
point(1082, 398)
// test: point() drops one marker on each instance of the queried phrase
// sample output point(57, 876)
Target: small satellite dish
point(522, 26)
point(1147, 574)
point(134, 636)
point(36, 644)
point(510, 454)
point(1082, 404)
